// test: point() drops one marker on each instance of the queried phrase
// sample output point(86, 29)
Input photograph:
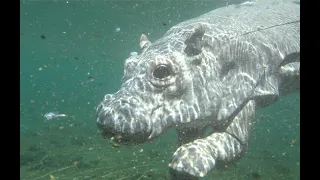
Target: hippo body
point(212, 71)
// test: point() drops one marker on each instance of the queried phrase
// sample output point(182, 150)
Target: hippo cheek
point(160, 122)
point(156, 119)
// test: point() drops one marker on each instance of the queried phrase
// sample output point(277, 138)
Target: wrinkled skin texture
point(211, 71)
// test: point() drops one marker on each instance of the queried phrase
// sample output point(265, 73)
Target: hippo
point(210, 72)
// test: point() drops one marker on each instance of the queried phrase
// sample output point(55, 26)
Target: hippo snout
point(121, 119)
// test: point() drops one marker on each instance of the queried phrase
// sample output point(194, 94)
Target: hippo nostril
point(108, 97)
point(123, 102)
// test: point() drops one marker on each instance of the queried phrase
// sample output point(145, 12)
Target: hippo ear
point(194, 42)
point(144, 43)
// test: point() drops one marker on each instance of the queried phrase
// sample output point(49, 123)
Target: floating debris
point(51, 115)
point(90, 79)
point(116, 145)
point(43, 36)
point(256, 176)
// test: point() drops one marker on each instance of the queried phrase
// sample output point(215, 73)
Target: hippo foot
point(176, 175)
point(190, 162)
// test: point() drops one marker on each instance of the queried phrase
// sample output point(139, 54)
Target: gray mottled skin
point(211, 71)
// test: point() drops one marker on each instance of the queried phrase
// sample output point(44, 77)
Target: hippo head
point(174, 82)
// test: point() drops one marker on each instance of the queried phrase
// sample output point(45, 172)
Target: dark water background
point(71, 55)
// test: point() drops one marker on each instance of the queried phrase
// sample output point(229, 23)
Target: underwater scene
point(72, 53)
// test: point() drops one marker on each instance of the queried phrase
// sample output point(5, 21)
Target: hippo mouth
point(134, 128)
point(123, 138)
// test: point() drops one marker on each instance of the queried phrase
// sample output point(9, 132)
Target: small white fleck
point(118, 29)
point(141, 150)
point(90, 149)
point(133, 53)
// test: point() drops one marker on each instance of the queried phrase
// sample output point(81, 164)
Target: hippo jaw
point(132, 121)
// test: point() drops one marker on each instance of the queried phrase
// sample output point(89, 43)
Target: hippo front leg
point(200, 156)
point(197, 158)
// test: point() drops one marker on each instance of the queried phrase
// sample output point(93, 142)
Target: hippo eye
point(161, 71)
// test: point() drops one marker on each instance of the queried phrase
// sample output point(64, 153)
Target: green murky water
point(72, 53)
